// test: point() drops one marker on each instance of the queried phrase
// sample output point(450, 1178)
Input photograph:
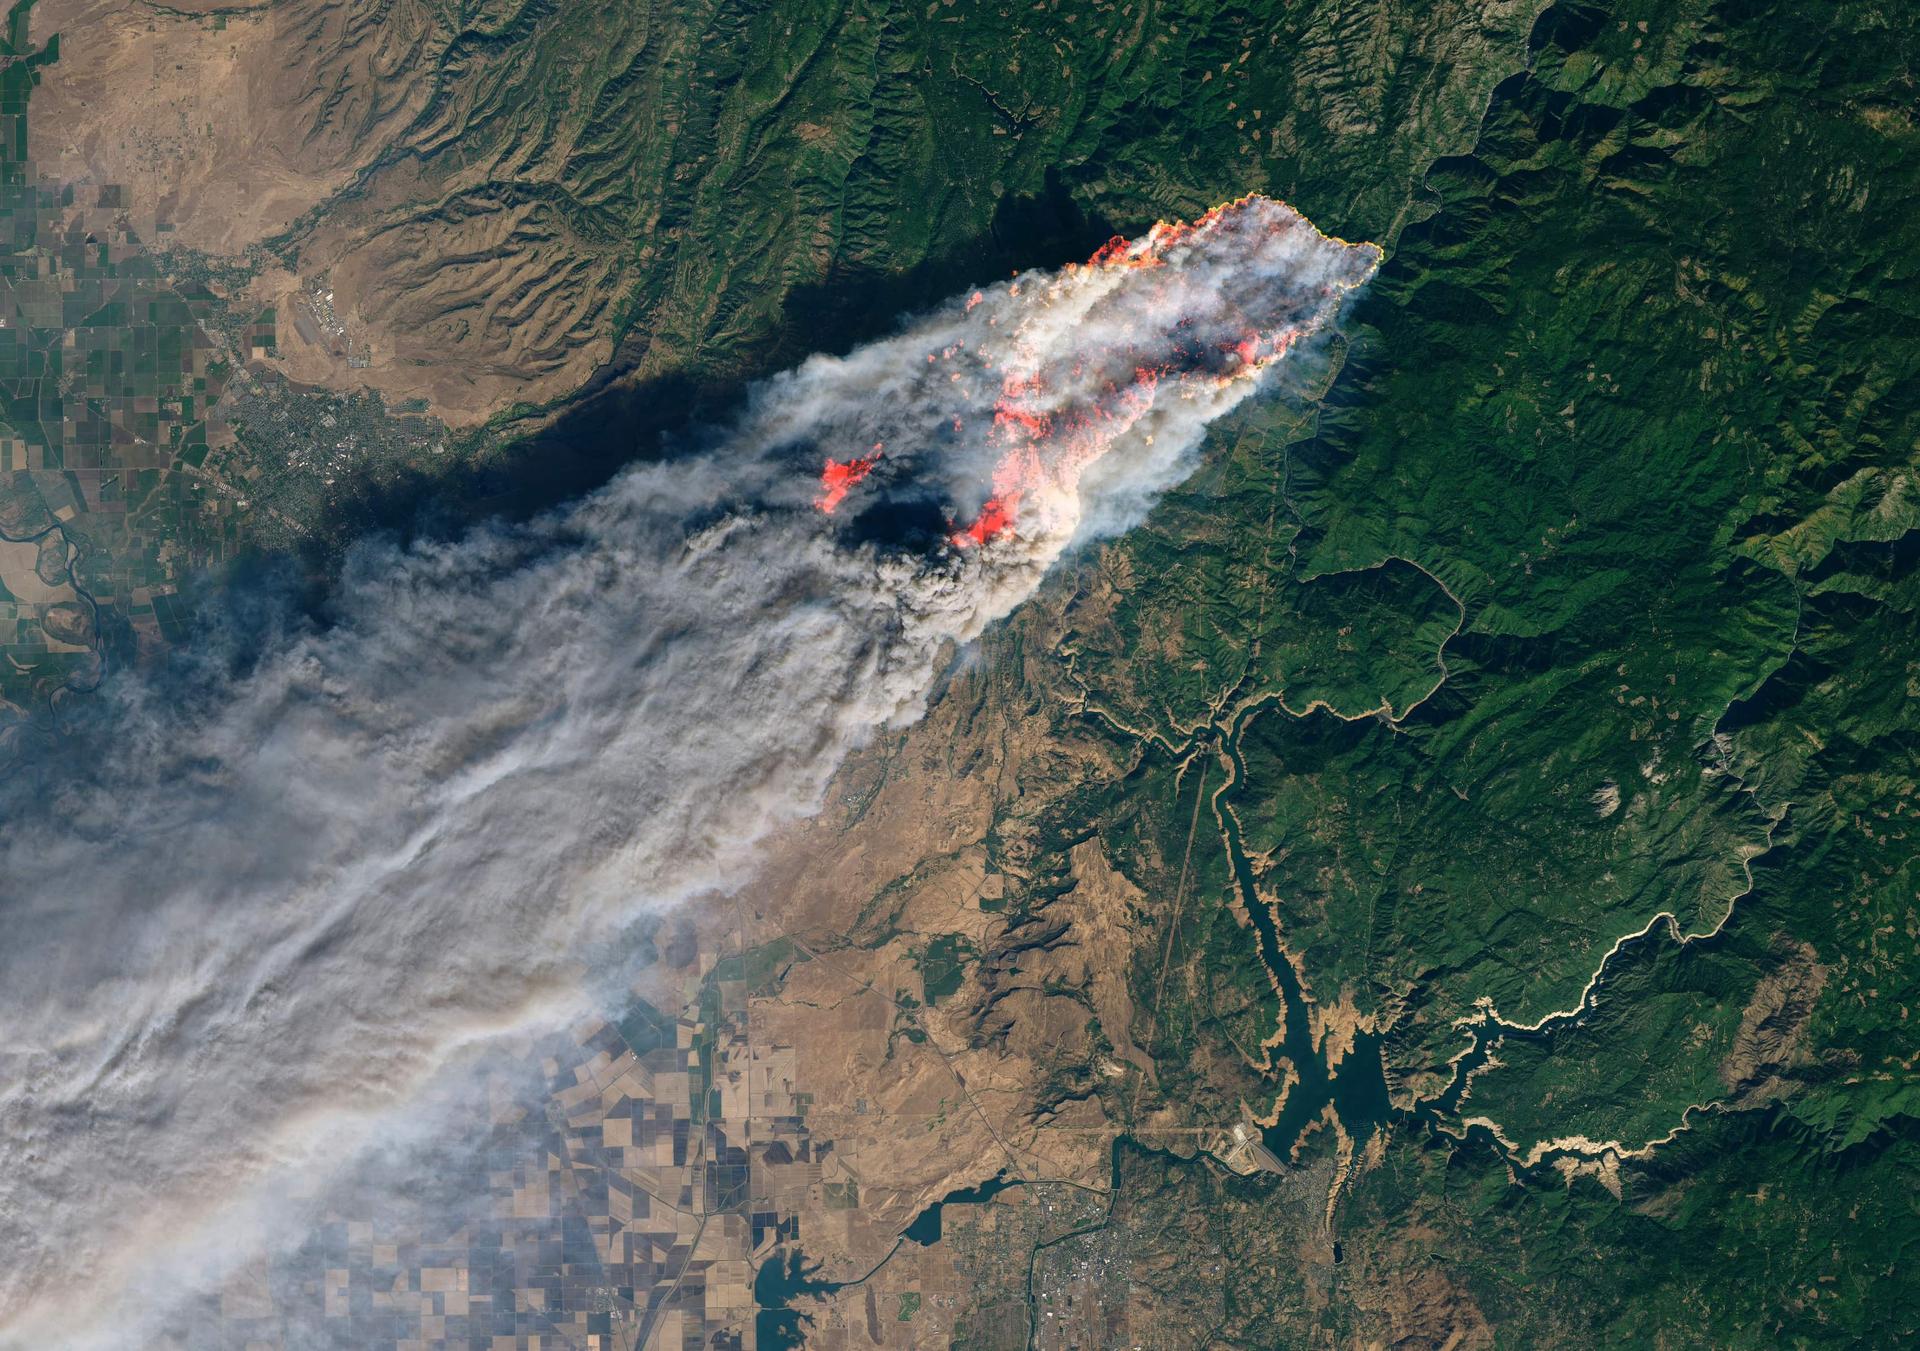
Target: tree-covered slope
point(1631, 895)
point(1487, 786)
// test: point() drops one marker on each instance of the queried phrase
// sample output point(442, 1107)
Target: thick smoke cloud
point(240, 937)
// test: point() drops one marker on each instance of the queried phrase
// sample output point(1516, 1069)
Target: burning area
point(1029, 383)
point(272, 899)
point(838, 478)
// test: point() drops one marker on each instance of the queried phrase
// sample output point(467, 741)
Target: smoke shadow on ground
point(617, 420)
point(253, 603)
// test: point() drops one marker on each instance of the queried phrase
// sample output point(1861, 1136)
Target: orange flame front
point(1045, 438)
point(839, 476)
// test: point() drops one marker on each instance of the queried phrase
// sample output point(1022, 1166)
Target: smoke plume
point(236, 940)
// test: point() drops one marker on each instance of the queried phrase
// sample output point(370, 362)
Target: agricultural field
point(1444, 876)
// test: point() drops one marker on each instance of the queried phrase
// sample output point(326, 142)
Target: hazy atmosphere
point(833, 675)
point(277, 905)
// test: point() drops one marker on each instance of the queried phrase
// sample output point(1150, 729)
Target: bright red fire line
point(1045, 446)
point(838, 478)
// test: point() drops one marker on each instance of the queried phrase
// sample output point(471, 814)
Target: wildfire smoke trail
point(1058, 369)
point(261, 909)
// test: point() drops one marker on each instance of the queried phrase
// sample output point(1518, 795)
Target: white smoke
point(233, 946)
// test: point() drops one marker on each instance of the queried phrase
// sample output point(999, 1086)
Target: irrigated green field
point(1508, 742)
